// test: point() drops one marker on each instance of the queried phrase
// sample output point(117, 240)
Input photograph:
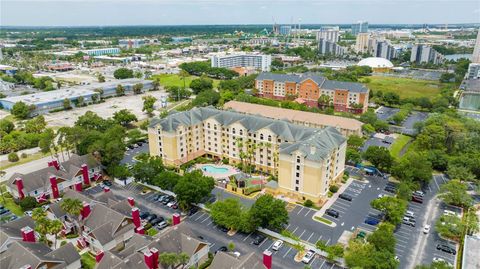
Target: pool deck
point(231, 170)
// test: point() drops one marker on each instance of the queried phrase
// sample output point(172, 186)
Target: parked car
point(390, 189)
point(446, 248)
point(223, 229)
point(308, 257)
point(372, 221)
point(332, 213)
point(107, 183)
point(222, 249)
point(156, 197)
point(192, 210)
point(417, 199)
point(345, 197)
point(4, 211)
point(162, 225)
point(258, 239)
point(426, 229)
point(419, 193)
point(409, 214)
point(449, 213)
point(156, 221)
point(144, 215)
point(167, 200)
point(277, 245)
point(408, 222)
point(171, 203)
point(175, 205)
point(130, 146)
point(28, 213)
point(236, 254)
point(151, 217)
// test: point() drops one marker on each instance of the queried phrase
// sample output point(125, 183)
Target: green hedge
point(252, 189)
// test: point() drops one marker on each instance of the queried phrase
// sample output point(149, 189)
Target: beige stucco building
point(305, 160)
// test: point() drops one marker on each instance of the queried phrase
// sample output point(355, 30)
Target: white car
point(419, 193)
point(308, 257)
point(381, 195)
point(236, 254)
point(277, 245)
point(440, 260)
point(409, 214)
point(449, 213)
point(28, 213)
point(171, 203)
point(426, 229)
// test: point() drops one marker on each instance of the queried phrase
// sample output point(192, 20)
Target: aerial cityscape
point(315, 134)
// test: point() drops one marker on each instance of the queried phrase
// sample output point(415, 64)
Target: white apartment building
point(258, 61)
point(331, 34)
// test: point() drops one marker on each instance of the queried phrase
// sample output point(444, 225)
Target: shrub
point(333, 188)
point(13, 157)
point(63, 242)
point(308, 203)
point(24, 155)
point(225, 160)
point(71, 236)
point(28, 203)
point(252, 189)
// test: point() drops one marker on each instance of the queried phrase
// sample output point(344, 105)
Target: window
point(261, 136)
point(297, 174)
point(233, 130)
point(297, 181)
point(296, 188)
point(269, 138)
point(298, 167)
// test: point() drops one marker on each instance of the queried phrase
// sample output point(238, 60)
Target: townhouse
point(252, 261)
point(15, 231)
point(306, 160)
point(143, 251)
point(308, 87)
point(53, 180)
point(31, 254)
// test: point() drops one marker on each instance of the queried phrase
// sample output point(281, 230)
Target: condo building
point(306, 160)
point(360, 27)
point(425, 54)
point(257, 61)
point(331, 34)
point(326, 47)
point(343, 96)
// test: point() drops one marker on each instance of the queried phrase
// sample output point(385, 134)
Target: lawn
point(7, 200)
point(398, 145)
point(405, 87)
point(31, 157)
point(88, 261)
point(175, 80)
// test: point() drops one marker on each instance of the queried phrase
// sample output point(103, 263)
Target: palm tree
point(54, 228)
point(184, 74)
point(41, 226)
point(73, 207)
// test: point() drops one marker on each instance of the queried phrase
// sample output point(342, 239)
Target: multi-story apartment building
point(361, 44)
point(360, 27)
point(331, 34)
point(473, 71)
point(306, 160)
point(344, 96)
point(476, 49)
point(131, 43)
point(257, 61)
point(425, 54)
point(329, 47)
point(375, 46)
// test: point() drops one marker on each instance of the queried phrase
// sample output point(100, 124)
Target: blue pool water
point(214, 170)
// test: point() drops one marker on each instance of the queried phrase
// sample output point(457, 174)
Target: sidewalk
point(332, 199)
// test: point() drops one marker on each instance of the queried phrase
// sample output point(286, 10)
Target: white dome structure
point(376, 62)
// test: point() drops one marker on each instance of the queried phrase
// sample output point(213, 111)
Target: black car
point(130, 146)
point(345, 197)
point(223, 229)
point(4, 211)
point(447, 249)
point(156, 221)
point(151, 217)
point(390, 189)
point(139, 144)
point(192, 210)
point(332, 213)
point(144, 215)
point(222, 249)
point(107, 183)
point(258, 239)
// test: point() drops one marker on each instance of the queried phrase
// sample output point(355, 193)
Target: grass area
point(31, 157)
point(289, 234)
point(152, 231)
point(87, 260)
point(323, 220)
point(398, 145)
point(7, 200)
point(405, 87)
point(175, 80)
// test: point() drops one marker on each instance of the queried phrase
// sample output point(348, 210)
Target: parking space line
point(308, 240)
point(302, 233)
point(203, 214)
point(247, 236)
point(205, 219)
point(399, 250)
point(319, 238)
point(294, 230)
point(287, 252)
point(300, 210)
point(263, 242)
point(322, 264)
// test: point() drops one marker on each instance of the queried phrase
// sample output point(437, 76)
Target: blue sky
point(185, 12)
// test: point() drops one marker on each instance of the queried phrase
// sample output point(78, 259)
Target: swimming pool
point(214, 170)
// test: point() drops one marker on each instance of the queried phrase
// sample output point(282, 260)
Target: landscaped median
point(325, 221)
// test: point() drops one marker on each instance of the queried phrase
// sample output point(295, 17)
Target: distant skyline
point(201, 12)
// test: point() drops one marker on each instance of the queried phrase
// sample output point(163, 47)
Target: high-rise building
point(383, 49)
point(131, 43)
point(476, 50)
point(285, 29)
point(329, 34)
point(473, 71)
point(361, 45)
point(329, 47)
point(257, 61)
point(360, 27)
point(425, 54)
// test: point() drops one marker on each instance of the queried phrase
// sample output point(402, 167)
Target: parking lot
point(385, 113)
point(377, 140)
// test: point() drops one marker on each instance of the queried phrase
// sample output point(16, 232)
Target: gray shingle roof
point(321, 81)
point(223, 260)
point(299, 137)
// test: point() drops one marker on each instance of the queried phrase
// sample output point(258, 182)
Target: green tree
point(231, 246)
point(450, 227)
point(123, 73)
point(454, 192)
point(268, 212)
point(67, 104)
point(20, 110)
point(228, 213)
point(201, 84)
point(393, 207)
point(355, 141)
point(383, 238)
point(28, 203)
point(184, 75)
point(120, 90)
point(168, 259)
point(35, 125)
point(124, 117)
point(380, 157)
point(6, 126)
point(166, 180)
point(101, 78)
point(145, 170)
point(206, 98)
point(413, 167)
point(137, 88)
point(148, 104)
point(55, 226)
point(120, 171)
point(192, 188)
